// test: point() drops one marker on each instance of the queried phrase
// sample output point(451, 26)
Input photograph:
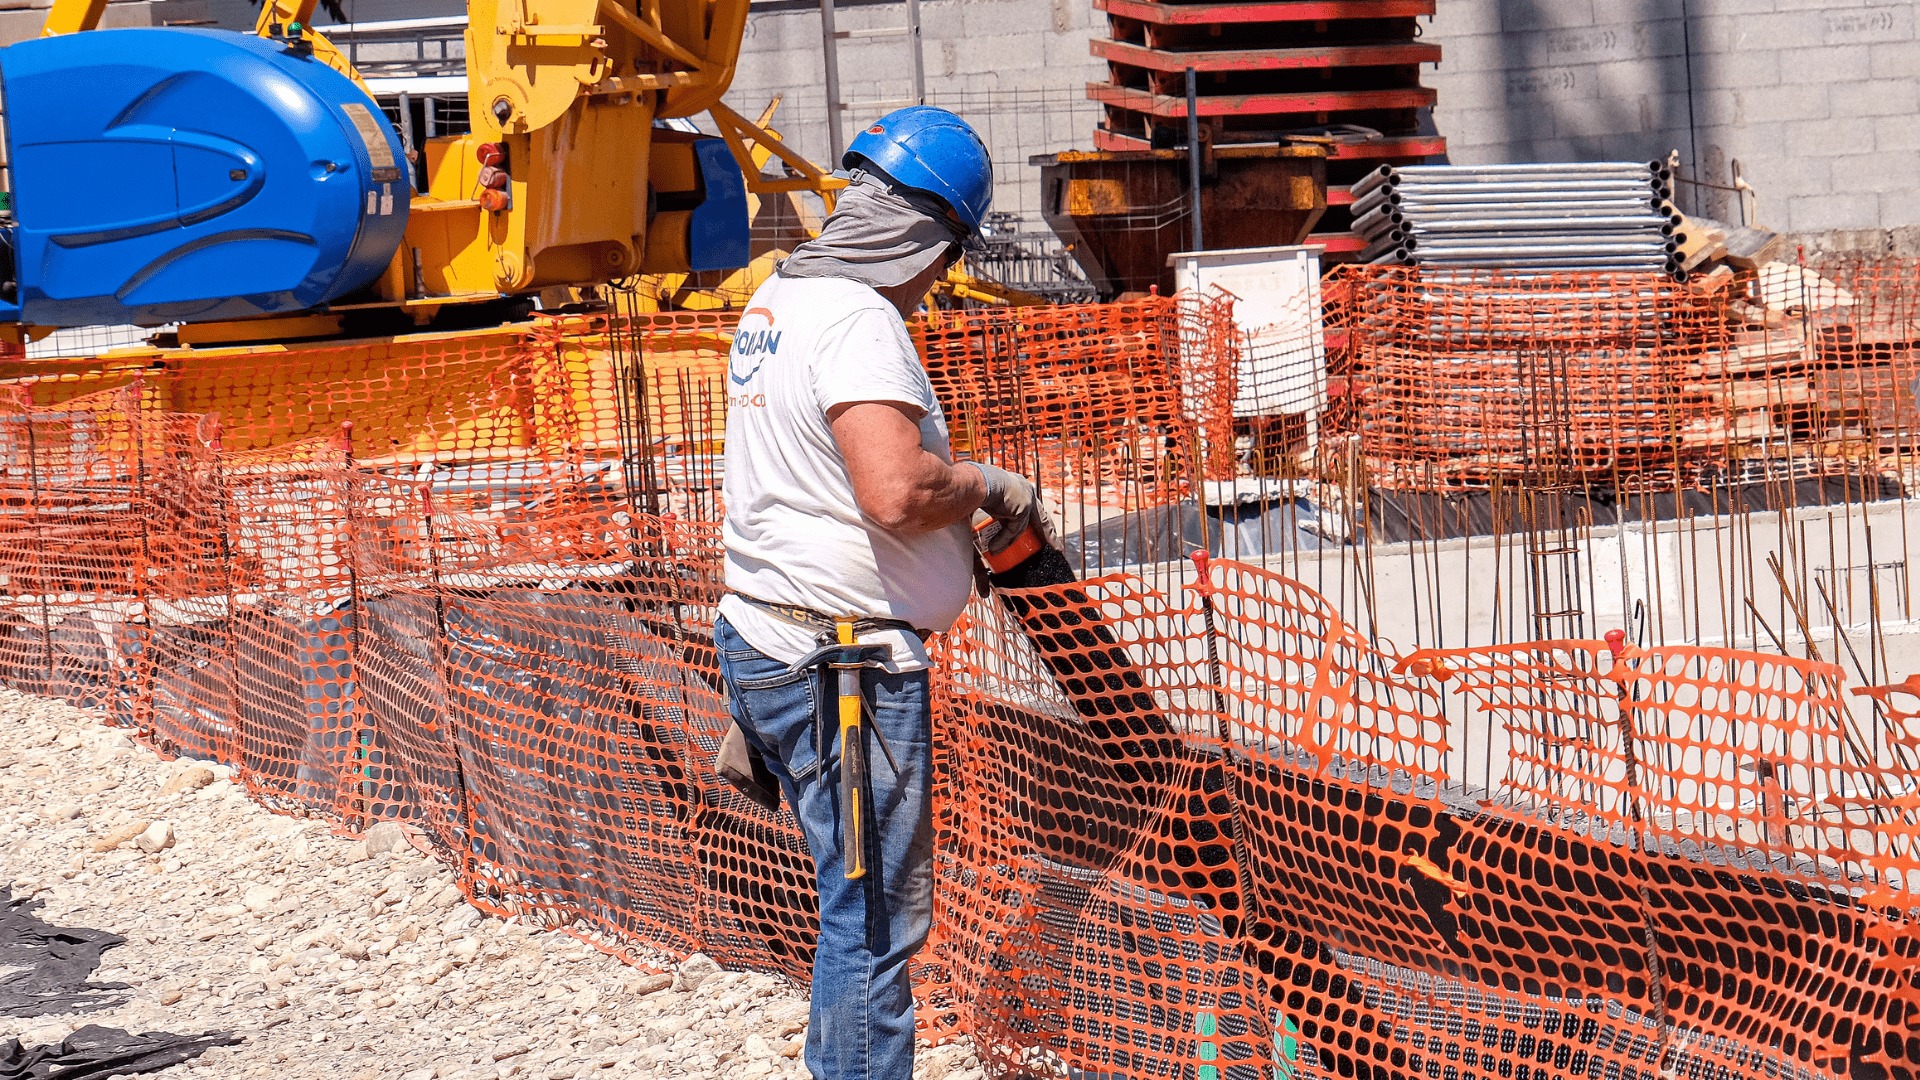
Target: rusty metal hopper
point(1122, 212)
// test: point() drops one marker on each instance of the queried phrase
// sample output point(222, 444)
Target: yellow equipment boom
point(562, 95)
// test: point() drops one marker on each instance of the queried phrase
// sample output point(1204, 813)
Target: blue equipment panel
point(717, 234)
point(164, 175)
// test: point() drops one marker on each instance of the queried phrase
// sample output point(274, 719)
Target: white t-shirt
point(794, 533)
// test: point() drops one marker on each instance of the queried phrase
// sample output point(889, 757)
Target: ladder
point(830, 38)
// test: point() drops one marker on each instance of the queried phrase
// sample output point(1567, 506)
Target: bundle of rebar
point(1602, 215)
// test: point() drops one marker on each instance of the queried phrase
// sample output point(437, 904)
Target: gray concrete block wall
point(23, 19)
point(1016, 69)
point(1818, 100)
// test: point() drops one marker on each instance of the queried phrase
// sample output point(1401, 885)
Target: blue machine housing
point(718, 237)
point(164, 175)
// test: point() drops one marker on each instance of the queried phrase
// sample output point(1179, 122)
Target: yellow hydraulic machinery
point(565, 178)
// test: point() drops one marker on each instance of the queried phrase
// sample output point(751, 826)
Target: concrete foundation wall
point(1675, 583)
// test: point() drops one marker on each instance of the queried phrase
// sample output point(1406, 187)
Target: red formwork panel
point(1264, 12)
point(1337, 243)
point(1227, 60)
point(1408, 147)
point(1166, 106)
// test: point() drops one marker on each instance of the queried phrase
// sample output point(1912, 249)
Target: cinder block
point(942, 59)
point(1822, 63)
point(1819, 5)
point(1895, 60)
point(1746, 69)
point(1534, 15)
point(1778, 180)
point(1596, 116)
point(941, 20)
point(1881, 171)
point(1518, 149)
point(1832, 136)
point(1474, 52)
point(1883, 22)
point(1070, 15)
point(1874, 97)
point(20, 25)
point(1856, 242)
point(1776, 30)
point(1713, 34)
point(1527, 88)
point(1005, 54)
point(1064, 52)
point(1467, 154)
point(1067, 130)
point(1633, 78)
point(1717, 108)
point(1462, 18)
point(999, 18)
point(1835, 210)
point(1896, 133)
point(1761, 104)
point(1903, 241)
point(1475, 127)
point(1583, 44)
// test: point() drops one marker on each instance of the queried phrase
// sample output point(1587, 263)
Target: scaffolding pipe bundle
point(1633, 198)
point(1591, 215)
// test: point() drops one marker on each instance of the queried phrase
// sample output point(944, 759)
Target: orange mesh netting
point(1193, 821)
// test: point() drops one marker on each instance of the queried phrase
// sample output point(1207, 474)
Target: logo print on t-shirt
point(752, 346)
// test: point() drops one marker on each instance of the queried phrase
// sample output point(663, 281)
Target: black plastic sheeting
point(1168, 533)
point(294, 684)
point(1400, 516)
point(95, 1053)
point(78, 657)
point(1257, 527)
point(532, 673)
point(192, 686)
point(56, 963)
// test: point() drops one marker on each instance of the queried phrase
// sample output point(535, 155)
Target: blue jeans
point(862, 1014)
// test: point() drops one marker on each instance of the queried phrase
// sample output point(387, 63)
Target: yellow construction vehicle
point(291, 187)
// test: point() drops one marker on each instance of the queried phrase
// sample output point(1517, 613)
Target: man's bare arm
point(898, 484)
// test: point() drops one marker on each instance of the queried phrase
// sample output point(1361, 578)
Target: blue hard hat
point(930, 150)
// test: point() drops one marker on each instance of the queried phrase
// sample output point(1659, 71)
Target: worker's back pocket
point(778, 708)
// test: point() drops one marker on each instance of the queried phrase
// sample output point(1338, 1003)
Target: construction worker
point(844, 503)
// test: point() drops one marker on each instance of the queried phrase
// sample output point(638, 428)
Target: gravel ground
point(332, 957)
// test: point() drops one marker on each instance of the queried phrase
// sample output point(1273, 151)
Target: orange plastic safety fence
point(1197, 832)
point(1462, 378)
point(1104, 405)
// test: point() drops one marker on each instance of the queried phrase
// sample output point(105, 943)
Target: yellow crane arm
point(73, 16)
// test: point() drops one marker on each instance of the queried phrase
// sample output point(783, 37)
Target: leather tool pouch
point(739, 764)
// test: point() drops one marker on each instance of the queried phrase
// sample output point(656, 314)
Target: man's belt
point(825, 626)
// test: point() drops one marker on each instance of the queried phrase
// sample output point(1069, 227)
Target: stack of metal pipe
point(1602, 215)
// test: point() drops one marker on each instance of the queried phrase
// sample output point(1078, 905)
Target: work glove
point(1011, 506)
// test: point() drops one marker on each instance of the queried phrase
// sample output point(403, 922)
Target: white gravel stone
point(696, 969)
point(158, 837)
point(385, 836)
point(337, 958)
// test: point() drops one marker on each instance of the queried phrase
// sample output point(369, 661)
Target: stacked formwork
point(1348, 70)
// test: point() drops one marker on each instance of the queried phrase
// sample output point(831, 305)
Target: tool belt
point(825, 625)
